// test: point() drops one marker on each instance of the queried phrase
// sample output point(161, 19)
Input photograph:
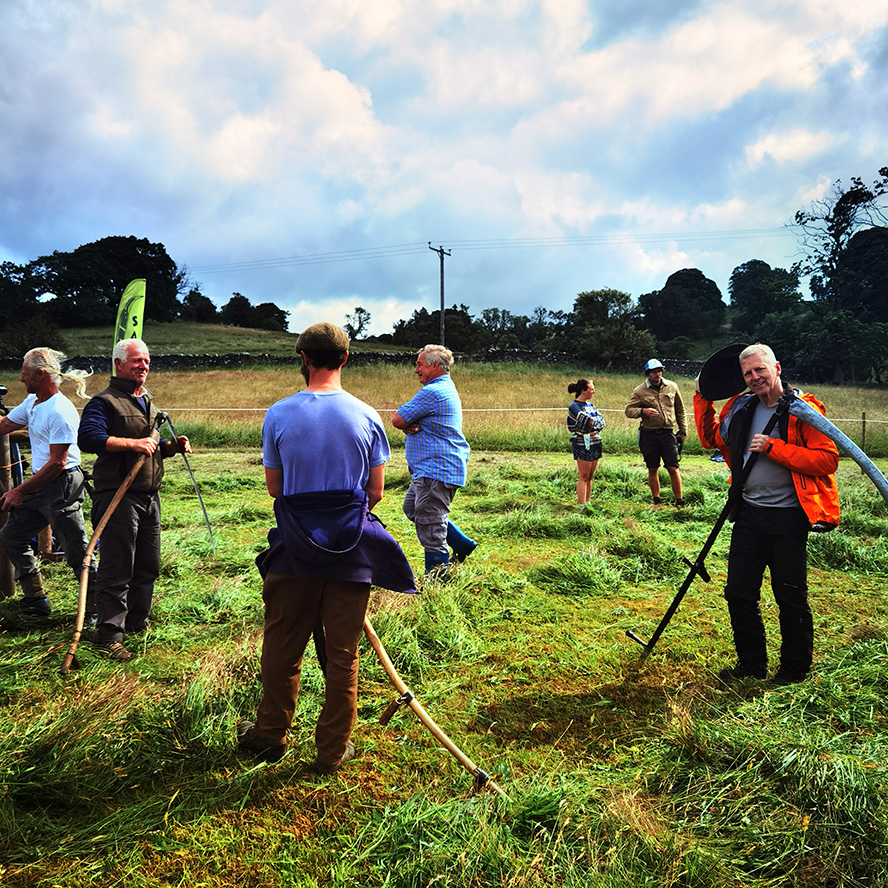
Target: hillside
point(191, 338)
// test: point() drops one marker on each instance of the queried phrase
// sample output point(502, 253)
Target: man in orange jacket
point(791, 488)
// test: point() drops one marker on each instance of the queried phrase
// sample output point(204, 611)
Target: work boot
point(249, 741)
point(656, 502)
point(347, 756)
point(113, 650)
point(26, 614)
point(32, 585)
point(738, 672)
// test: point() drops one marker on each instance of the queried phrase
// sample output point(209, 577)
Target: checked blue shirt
point(438, 450)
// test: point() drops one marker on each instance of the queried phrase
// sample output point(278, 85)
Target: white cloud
point(236, 130)
point(789, 146)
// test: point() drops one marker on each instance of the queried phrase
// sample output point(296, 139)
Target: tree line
point(840, 332)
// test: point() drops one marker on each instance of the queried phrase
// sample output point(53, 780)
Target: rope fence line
point(465, 410)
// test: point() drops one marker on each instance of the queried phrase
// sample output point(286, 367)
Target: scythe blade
point(806, 413)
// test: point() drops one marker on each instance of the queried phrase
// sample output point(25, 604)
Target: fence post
point(863, 435)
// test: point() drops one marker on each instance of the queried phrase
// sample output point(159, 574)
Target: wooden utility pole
point(441, 254)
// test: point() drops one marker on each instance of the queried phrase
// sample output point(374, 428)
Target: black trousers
point(776, 539)
point(129, 563)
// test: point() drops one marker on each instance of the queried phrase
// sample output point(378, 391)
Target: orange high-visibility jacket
point(811, 457)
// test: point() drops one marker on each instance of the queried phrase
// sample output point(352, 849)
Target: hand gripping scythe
point(70, 660)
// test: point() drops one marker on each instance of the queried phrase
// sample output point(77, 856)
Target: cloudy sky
point(306, 153)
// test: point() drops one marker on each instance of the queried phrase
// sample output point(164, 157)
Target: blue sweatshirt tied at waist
point(333, 535)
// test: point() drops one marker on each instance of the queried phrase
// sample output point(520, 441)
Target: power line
point(521, 243)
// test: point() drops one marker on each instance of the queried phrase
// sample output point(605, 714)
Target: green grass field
point(619, 772)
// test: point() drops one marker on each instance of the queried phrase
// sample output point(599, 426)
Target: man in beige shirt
point(657, 403)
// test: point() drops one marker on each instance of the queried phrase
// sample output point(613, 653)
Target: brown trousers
point(293, 607)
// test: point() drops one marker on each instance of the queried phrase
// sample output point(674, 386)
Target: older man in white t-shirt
point(54, 493)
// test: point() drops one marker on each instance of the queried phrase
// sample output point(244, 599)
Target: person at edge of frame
point(437, 454)
point(790, 490)
point(324, 453)
point(54, 493)
point(657, 403)
point(116, 424)
point(584, 422)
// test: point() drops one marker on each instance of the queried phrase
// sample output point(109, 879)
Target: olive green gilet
point(129, 422)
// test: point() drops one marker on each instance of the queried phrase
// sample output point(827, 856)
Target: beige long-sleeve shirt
point(666, 400)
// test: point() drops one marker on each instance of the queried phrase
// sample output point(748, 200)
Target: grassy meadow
point(620, 772)
point(508, 407)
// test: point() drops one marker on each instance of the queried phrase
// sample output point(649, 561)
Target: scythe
point(719, 379)
point(70, 660)
point(482, 779)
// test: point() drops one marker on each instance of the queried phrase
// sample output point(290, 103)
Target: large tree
point(461, 332)
point(197, 307)
point(689, 305)
point(827, 226)
point(86, 284)
point(757, 290)
point(603, 328)
point(826, 344)
point(861, 275)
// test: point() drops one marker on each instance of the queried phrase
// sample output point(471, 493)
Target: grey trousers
point(59, 504)
point(427, 505)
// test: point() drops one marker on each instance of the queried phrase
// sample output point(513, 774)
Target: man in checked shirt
point(436, 454)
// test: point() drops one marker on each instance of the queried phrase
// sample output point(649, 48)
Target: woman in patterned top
point(585, 423)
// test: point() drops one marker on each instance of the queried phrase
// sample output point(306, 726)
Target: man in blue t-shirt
point(323, 450)
point(437, 454)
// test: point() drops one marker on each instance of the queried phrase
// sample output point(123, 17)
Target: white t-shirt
point(53, 421)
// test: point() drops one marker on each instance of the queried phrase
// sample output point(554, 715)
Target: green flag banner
point(130, 313)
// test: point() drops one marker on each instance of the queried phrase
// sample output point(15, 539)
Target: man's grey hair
point(121, 350)
point(759, 348)
point(438, 355)
point(50, 361)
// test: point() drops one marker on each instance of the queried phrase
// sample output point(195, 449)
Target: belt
point(657, 431)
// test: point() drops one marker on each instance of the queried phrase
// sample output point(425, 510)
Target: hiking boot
point(680, 503)
point(738, 672)
point(347, 756)
point(783, 677)
point(113, 650)
point(30, 606)
point(656, 502)
point(249, 741)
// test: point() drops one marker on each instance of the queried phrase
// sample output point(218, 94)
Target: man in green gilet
point(117, 424)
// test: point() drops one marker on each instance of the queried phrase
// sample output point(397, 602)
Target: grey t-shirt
point(768, 484)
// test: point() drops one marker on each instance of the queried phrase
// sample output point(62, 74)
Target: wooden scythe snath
point(70, 659)
point(482, 779)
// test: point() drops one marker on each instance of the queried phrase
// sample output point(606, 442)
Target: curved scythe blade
point(169, 422)
point(805, 412)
